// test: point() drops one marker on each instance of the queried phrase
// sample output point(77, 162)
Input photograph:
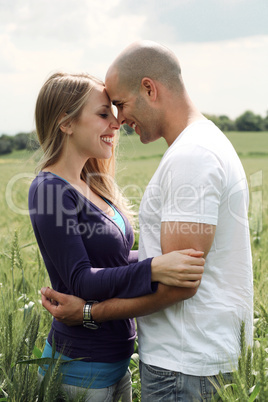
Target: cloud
point(38, 38)
point(201, 20)
point(222, 47)
point(226, 77)
point(72, 32)
point(75, 23)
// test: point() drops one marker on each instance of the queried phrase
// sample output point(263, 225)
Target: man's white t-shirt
point(200, 179)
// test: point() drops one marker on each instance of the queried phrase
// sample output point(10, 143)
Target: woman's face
point(93, 133)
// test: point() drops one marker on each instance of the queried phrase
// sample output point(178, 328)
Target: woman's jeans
point(122, 389)
point(160, 385)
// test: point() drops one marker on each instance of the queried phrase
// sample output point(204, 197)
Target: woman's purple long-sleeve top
point(86, 254)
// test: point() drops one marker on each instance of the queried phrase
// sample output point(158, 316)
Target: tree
point(223, 122)
point(6, 144)
point(265, 123)
point(226, 124)
point(33, 143)
point(127, 130)
point(21, 141)
point(249, 121)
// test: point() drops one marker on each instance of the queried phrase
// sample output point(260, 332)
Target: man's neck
point(178, 128)
point(179, 113)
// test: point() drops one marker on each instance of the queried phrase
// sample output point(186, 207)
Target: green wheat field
point(24, 324)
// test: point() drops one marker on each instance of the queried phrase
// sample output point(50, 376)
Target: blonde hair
point(61, 99)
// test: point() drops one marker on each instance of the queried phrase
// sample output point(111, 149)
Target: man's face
point(133, 109)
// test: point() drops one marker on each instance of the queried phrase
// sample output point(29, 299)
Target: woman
point(81, 223)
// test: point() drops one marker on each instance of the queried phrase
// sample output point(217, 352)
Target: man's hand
point(67, 309)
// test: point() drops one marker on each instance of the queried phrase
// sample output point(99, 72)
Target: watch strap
point(88, 321)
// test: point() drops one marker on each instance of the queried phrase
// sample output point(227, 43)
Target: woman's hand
point(182, 268)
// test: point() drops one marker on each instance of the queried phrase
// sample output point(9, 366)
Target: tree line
point(248, 121)
point(19, 141)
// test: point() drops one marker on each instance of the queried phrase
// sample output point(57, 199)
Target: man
point(197, 198)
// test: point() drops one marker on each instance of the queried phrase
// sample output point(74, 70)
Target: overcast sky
point(222, 46)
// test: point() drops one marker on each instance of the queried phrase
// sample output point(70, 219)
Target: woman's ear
point(66, 127)
point(149, 88)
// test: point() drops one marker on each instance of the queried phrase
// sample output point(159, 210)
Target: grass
point(24, 324)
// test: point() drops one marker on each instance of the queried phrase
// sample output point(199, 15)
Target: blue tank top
point(117, 218)
point(86, 374)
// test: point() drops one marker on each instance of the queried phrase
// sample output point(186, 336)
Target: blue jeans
point(161, 385)
point(122, 391)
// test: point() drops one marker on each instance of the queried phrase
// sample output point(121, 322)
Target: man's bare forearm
point(118, 309)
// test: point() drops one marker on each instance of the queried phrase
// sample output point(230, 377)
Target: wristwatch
point(88, 321)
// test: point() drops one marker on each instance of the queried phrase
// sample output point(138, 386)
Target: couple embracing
point(189, 284)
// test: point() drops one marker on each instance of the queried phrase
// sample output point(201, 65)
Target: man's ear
point(149, 88)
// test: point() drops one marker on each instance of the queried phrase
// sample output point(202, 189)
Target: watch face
point(90, 325)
